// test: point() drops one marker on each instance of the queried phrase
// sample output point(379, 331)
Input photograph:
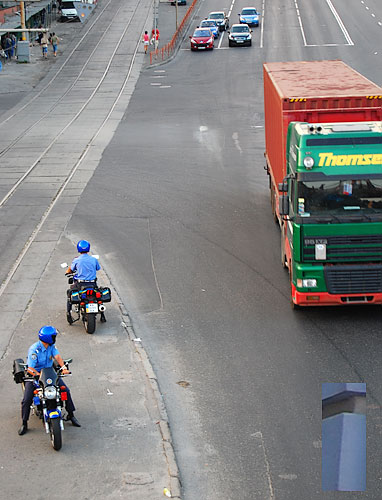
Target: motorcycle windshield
point(48, 376)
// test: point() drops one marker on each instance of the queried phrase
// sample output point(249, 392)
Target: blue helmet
point(48, 334)
point(83, 246)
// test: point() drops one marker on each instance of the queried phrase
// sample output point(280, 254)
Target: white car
point(221, 19)
point(240, 34)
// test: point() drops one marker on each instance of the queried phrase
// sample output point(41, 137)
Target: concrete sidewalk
point(124, 430)
point(18, 79)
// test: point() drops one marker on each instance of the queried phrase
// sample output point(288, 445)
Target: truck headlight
point(308, 162)
point(50, 392)
point(307, 283)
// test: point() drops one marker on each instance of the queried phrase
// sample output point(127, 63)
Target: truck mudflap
point(328, 299)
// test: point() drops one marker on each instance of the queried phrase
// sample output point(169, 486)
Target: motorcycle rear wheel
point(90, 322)
point(55, 433)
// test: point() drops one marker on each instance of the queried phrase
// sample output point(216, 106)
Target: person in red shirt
point(155, 37)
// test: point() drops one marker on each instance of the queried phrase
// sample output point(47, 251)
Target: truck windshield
point(339, 197)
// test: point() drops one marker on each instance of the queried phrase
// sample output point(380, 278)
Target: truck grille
point(361, 279)
point(345, 248)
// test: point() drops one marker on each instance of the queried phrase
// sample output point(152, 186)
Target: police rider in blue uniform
point(85, 267)
point(41, 355)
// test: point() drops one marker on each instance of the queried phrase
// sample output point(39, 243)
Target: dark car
point(240, 34)
point(203, 38)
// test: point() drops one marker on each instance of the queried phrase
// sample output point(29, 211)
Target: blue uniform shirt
point(40, 357)
point(85, 267)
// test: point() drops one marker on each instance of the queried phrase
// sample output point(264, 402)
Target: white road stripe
point(223, 32)
point(262, 25)
point(300, 22)
point(340, 23)
point(220, 39)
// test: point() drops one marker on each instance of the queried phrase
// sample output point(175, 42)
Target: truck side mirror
point(283, 187)
point(284, 205)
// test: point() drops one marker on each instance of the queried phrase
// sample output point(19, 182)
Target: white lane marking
point(288, 476)
point(300, 22)
point(155, 84)
point(340, 23)
point(159, 71)
point(373, 15)
point(223, 32)
point(379, 22)
point(220, 39)
point(203, 128)
point(230, 9)
point(327, 45)
point(158, 76)
point(165, 87)
point(259, 435)
point(262, 25)
point(367, 8)
point(235, 137)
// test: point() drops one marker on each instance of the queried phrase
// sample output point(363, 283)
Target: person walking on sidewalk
point(146, 41)
point(54, 40)
point(44, 46)
point(155, 35)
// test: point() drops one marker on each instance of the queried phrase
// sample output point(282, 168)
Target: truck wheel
point(273, 205)
point(283, 256)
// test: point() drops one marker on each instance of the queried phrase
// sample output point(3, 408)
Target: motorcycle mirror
point(96, 256)
point(63, 265)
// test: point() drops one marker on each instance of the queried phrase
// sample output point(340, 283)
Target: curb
point(163, 422)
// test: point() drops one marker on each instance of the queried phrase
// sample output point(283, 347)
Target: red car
point(202, 38)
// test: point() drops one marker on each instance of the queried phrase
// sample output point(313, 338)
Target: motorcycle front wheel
point(55, 433)
point(90, 322)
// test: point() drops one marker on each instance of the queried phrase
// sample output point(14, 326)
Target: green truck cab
point(332, 213)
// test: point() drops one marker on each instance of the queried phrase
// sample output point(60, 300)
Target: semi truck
point(323, 137)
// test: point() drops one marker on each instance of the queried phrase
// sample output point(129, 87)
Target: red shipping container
point(314, 92)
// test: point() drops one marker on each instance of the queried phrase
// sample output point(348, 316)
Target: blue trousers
point(28, 398)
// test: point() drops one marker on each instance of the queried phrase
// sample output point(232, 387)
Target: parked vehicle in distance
point(68, 12)
point(202, 39)
point(221, 19)
point(250, 16)
point(212, 25)
point(180, 2)
point(240, 34)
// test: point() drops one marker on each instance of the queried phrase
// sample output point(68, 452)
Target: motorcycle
point(87, 301)
point(48, 397)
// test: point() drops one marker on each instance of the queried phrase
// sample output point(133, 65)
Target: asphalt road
point(179, 208)
point(194, 253)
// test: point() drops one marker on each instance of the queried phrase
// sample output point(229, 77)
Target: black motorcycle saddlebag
point(105, 294)
point(75, 296)
point(18, 370)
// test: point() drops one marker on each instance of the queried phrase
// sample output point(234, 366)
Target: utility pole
point(22, 20)
point(156, 13)
point(176, 14)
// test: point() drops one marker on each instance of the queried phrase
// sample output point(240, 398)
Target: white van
point(68, 12)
